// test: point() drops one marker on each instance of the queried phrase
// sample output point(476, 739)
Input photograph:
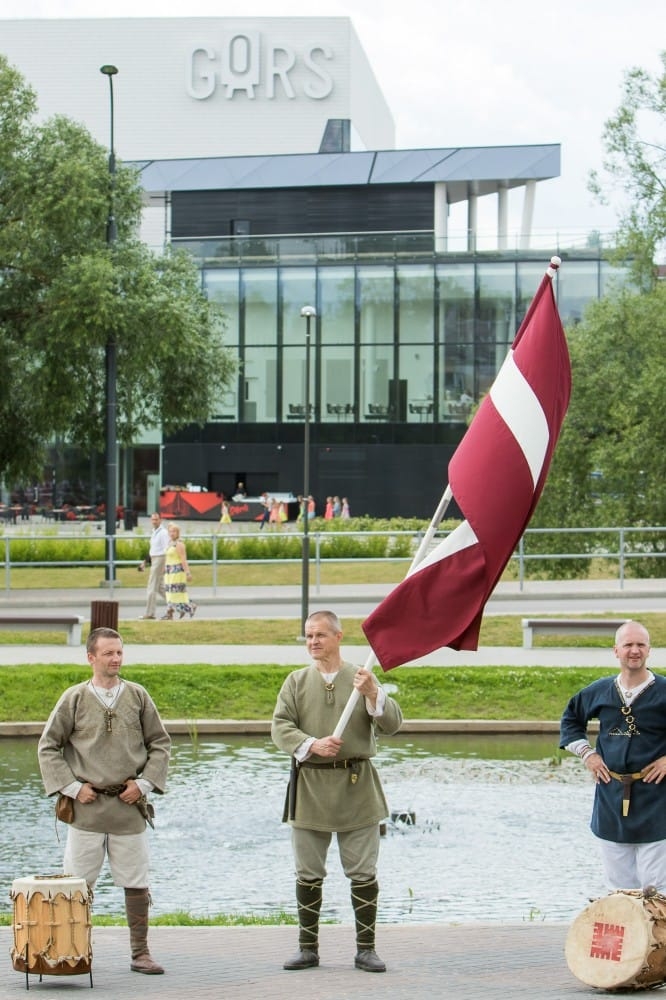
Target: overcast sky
point(474, 72)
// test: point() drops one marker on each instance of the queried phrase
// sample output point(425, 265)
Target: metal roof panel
point(493, 164)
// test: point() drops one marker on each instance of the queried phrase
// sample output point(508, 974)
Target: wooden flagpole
point(419, 556)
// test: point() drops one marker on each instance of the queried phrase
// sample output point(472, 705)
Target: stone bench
point(45, 623)
point(568, 626)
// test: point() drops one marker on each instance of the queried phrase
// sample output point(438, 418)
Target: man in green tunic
point(334, 786)
point(105, 748)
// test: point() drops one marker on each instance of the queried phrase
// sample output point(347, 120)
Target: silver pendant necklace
point(107, 696)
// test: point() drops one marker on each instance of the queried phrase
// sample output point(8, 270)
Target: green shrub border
point(394, 539)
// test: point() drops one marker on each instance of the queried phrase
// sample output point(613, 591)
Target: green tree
point(634, 160)
point(609, 466)
point(610, 463)
point(64, 291)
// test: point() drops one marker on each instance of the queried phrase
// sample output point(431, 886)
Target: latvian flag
point(496, 476)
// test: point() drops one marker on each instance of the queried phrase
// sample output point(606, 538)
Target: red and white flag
point(496, 476)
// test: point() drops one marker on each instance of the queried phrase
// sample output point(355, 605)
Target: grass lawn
point(496, 630)
point(203, 691)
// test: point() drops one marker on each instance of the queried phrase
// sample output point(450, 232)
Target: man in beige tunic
point(334, 785)
point(105, 747)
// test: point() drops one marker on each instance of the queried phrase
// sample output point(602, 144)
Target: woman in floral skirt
point(176, 577)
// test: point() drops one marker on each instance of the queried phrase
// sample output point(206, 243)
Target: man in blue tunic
point(628, 762)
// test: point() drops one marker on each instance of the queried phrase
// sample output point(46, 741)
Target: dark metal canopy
point(479, 170)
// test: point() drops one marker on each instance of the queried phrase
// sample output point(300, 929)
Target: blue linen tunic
point(625, 753)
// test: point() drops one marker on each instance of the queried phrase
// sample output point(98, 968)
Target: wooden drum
point(619, 941)
point(52, 929)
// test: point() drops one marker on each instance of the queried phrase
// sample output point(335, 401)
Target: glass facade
point(414, 342)
point(405, 343)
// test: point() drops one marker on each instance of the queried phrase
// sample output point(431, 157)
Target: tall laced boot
point(364, 900)
point(308, 898)
point(137, 904)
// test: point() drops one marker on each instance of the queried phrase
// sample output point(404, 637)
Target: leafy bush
point(640, 565)
point(336, 540)
point(553, 544)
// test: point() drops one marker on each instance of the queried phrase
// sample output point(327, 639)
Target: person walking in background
point(345, 511)
point(334, 786)
point(328, 509)
point(274, 514)
point(628, 763)
point(104, 747)
point(177, 575)
point(159, 540)
point(225, 514)
point(312, 508)
point(337, 507)
point(266, 511)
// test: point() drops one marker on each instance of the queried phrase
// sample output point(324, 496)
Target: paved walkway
point(486, 656)
point(471, 962)
point(529, 592)
point(607, 592)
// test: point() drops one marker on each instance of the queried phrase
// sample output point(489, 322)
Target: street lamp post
point(309, 312)
point(110, 365)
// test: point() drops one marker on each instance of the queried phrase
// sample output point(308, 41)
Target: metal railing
point(294, 248)
point(622, 552)
point(619, 549)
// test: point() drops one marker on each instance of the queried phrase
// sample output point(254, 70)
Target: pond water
point(500, 831)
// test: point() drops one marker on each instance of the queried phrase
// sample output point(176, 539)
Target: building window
point(577, 283)
point(456, 321)
point(260, 312)
point(413, 344)
point(376, 295)
point(337, 305)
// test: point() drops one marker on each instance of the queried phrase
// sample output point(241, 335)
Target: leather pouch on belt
point(64, 809)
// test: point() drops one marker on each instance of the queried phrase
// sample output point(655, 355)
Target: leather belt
point(350, 762)
point(627, 781)
point(111, 790)
point(145, 807)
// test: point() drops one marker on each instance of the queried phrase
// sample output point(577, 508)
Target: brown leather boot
point(137, 904)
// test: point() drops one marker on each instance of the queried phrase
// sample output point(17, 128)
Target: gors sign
point(245, 63)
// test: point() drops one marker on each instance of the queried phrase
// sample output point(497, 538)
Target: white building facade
point(201, 87)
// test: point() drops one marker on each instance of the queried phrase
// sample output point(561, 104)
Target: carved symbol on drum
point(607, 941)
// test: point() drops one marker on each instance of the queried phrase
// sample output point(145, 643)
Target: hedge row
point(385, 539)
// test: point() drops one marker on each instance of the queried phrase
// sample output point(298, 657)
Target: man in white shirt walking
point(159, 540)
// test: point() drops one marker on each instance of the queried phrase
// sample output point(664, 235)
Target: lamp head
point(308, 311)
point(108, 70)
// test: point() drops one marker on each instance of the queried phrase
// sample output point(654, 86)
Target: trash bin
point(130, 519)
point(104, 614)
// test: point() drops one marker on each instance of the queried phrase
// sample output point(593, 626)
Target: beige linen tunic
point(328, 799)
point(76, 745)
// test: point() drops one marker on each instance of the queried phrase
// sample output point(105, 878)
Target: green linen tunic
point(328, 799)
point(76, 745)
